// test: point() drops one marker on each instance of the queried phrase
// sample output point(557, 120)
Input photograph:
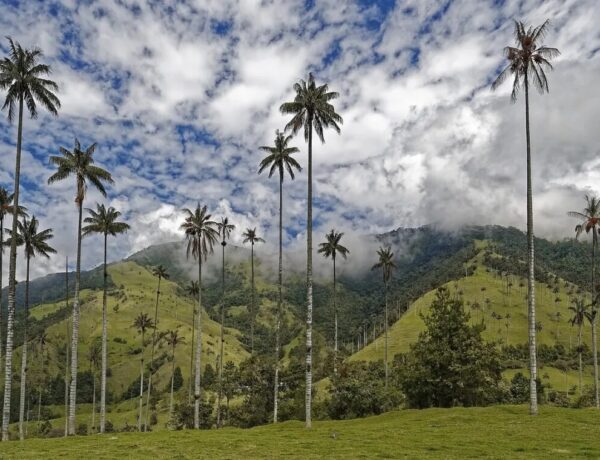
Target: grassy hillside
point(493, 432)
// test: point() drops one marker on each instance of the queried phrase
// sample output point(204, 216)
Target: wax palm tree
point(41, 343)
point(105, 222)
point(580, 311)
point(80, 164)
point(330, 248)
point(387, 265)
point(311, 110)
point(23, 78)
point(279, 158)
point(161, 273)
point(529, 60)
point(142, 323)
point(35, 242)
point(173, 339)
point(192, 290)
point(590, 222)
point(6, 200)
point(94, 357)
point(251, 237)
point(225, 229)
point(201, 234)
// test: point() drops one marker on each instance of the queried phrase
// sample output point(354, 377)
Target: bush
point(109, 427)
point(82, 429)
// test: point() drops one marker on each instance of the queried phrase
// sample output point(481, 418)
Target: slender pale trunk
point(279, 302)
point(335, 321)
point(75, 335)
point(172, 380)
point(309, 284)
point(40, 388)
point(93, 401)
point(579, 336)
point(594, 318)
point(192, 354)
point(1, 273)
point(24, 356)
point(67, 348)
point(385, 349)
point(141, 402)
point(152, 357)
point(220, 394)
point(197, 387)
point(253, 312)
point(12, 285)
point(533, 403)
point(104, 348)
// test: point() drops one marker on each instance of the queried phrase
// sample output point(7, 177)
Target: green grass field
point(494, 432)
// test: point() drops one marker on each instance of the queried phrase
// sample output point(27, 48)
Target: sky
point(179, 95)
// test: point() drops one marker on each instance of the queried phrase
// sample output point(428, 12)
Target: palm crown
point(250, 236)
point(35, 242)
point(161, 272)
point(279, 157)
point(104, 220)
point(386, 263)
point(80, 163)
point(528, 59)
point(590, 217)
point(23, 77)
point(225, 229)
point(6, 204)
point(200, 232)
point(331, 247)
point(143, 322)
point(580, 311)
point(173, 338)
point(311, 108)
point(192, 289)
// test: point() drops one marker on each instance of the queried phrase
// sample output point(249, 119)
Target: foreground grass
point(494, 432)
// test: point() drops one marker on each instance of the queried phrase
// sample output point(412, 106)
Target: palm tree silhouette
point(201, 234)
point(580, 310)
point(192, 290)
point(173, 339)
point(25, 81)
point(311, 110)
point(330, 248)
point(142, 323)
point(387, 265)
point(251, 237)
point(529, 60)
point(279, 159)
point(104, 221)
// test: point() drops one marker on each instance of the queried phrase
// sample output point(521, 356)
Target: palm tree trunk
point(12, 285)
point(75, 335)
point(197, 387)
point(309, 285)
point(594, 318)
point(580, 357)
point(279, 302)
point(192, 354)
point(141, 404)
point(1, 273)
point(67, 348)
point(172, 380)
point(252, 313)
point(152, 356)
point(93, 402)
point(533, 403)
point(104, 347)
point(220, 394)
point(335, 322)
point(385, 349)
point(24, 357)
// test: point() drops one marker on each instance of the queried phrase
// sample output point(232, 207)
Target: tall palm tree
point(35, 243)
point(251, 237)
point(580, 311)
point(41, 343)
point(23, 78)
point(311, 110)
point(105, 222)
point(80, 164)
point(590, 222)
point(201, 234)
point(6, 208)
point(279, 158)
point(161, 273)
point(94, 357)
point(173, 339)
point(225, 229)
point(330, 248)
point(142, 323)
point(192, 289)
point(387, 265)
point(529, 60)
